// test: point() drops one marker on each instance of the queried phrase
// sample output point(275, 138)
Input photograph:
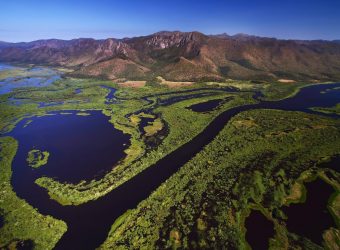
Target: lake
point(80, 147)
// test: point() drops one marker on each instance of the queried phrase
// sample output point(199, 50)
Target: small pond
point(259, 230)
point(311, 218)
point(144, 121)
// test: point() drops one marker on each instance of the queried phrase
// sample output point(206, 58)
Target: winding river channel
point(89, 223)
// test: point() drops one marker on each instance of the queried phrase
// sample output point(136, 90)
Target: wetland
point(100, 176)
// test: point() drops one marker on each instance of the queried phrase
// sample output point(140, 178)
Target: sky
point(27, 20)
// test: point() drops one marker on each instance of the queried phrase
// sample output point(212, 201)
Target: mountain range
point(184, 56)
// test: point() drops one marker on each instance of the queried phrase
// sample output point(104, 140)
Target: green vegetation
point(278, 91)
point(23, 72)
point(63, 96)
point(298, 194)
point(37, 158)
point(135, 119)
point(183, 125)
point(260, 160)
point(63, 92)
point(83, 114)
point(126, 117)
point(332, 110)
point(21, 221)
point(153, 128)
point(253, 163)
point(154, 82)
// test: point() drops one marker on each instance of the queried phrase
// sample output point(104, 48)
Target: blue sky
point(27, 20)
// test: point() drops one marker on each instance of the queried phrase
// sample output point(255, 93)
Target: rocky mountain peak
point(167, 39)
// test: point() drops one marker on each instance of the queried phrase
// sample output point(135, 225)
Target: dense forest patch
point(204, 205)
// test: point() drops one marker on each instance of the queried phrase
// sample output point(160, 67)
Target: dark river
point(89, 223)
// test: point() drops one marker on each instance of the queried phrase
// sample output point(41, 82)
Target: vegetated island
point(329, 110)
point(37, 158)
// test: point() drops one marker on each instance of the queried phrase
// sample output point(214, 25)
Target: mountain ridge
point(189, 56)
